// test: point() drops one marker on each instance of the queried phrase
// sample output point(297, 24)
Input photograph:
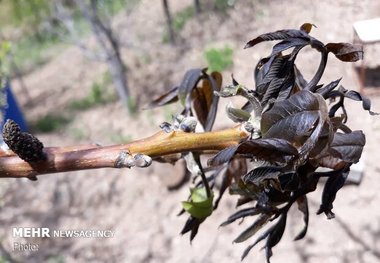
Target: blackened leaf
point(332, 186)
point(272, 89)
point(286, 87)
point(345, 51)
point(235, 169)
point(258, 174)
point(216, 84)
point(192, 225)
point(261, 237)
point(324, 140)
point(289, 181)
point(288, 43)
point(223, 156)
point(304, 208)
point(251, 230)
point(275, 236)
point(261, 69)
point(272, 69)
point(285, 116)
point(348, 146)
point(188, 83)
point(298, 116)
point(266, 149)
point(169, 97)
point(336, 107)
point(366, 103)
point(328, 88)
point(277, 35)
point(299, 79)
point(312, 85)
point(241, 214)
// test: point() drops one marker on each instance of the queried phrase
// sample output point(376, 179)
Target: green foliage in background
point(4, 50)
point(224, 5)
point(29, 52)
point(219, 59)
point(179, 21)
point(24, 12)
point(50, 123)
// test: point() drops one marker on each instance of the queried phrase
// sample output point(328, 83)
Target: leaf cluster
point(294, 131)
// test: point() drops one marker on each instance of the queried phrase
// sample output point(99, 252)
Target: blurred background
point(82, 71)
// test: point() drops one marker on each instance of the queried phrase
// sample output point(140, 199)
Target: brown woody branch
point(75, 158)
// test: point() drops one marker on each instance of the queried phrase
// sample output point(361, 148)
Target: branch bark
point(77, 158)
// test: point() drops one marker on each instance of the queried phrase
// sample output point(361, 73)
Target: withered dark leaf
point(334, 182)
point(272, 69)
point(277, 35)
point(348, 146)
point(260, 238)
point(188, 83)
point(268, 149)
point(328, 88)
point(302, 116)
point(258, 174)
point(275, 150)
point(345, 51)
point(299, 78)
point(241, 214)
point(216, 83)
point(167, 98)
point(304, 208)
point(288, 43)
point(192, 225)
point(354, 95)
point(275, 236)
point(223, 156)
point(289, 181)
point(275, 232)
point(251, 230)
point(236, 168)
point(296, 115)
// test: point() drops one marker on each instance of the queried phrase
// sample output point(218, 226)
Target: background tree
point(101, 27)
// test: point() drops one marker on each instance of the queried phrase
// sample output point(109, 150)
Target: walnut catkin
point(25, 145)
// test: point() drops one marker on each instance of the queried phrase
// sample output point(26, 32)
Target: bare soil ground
point(136, 203)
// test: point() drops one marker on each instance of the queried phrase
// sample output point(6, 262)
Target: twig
point(76, 158)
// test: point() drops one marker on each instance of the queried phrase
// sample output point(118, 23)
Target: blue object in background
point(11, 109)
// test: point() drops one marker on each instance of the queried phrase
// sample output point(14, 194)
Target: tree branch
point(77, 158)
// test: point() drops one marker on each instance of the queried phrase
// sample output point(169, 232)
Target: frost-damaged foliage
point(293, 131)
